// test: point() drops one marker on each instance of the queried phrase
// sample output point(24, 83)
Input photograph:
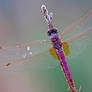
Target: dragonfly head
point(52, 31)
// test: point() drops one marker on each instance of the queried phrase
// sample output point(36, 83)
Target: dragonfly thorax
point(56, 43)
point(54, 38)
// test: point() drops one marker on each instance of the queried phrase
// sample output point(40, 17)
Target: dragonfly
point(59, 49)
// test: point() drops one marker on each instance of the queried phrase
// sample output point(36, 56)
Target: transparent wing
point(27, 52)
point(30, 44)
point(77, 23)
point(33, 58)
point(76, 37)
point(78, 43)
point(39, 58)
point(78, 34)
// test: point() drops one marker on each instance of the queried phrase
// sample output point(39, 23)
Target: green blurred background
point(21, 21)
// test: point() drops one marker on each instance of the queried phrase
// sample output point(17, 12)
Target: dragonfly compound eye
point(52, 31)
point(49, 33)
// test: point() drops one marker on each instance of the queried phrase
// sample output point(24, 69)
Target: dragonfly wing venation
point(16, 56)
point(79, 42)
point(31, 44)
point(78, 22)
point(18, 53)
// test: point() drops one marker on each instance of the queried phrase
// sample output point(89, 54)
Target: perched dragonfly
point(59, 48)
